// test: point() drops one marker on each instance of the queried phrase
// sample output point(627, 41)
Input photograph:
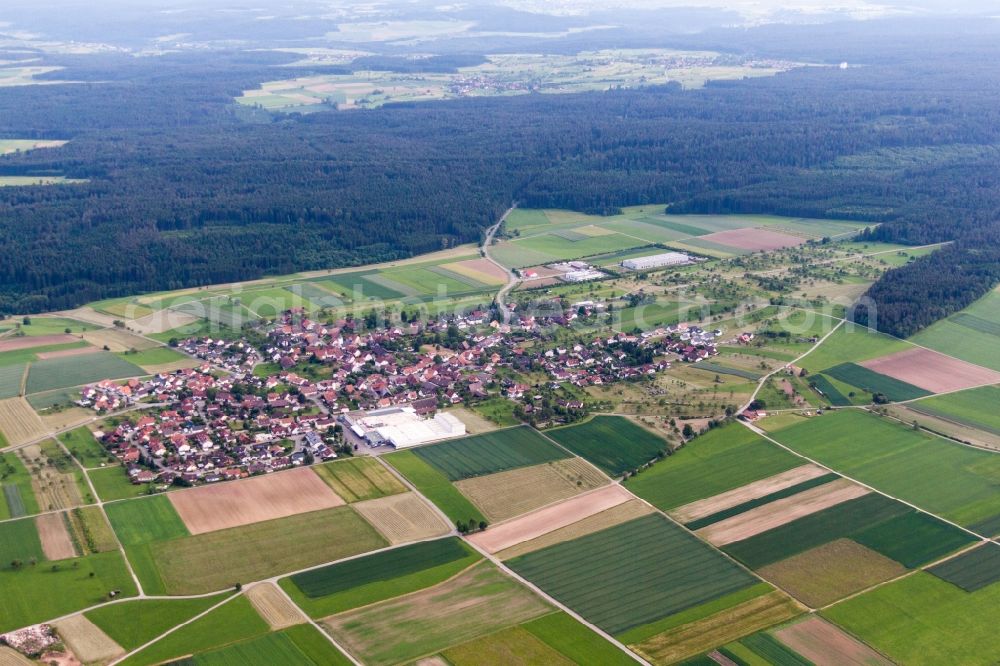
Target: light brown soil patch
point(678, 643)
point(550, 518)
point(11, 657)
point(483, 270)
point(504, 495)
point(56, 542)
point(53, 489)
point(276, 608)
point(160, 321)
point(87, 315)
point(117, 340)
point(616, 515)
point(754, 240)
point(592, 230)
point(28, 342)
point(429, 661)
point(751, 491)
point(932, 371)
point(402, 518)
point(235, 503)
point(77, 351)
point(161, 368)
point(87, 641)
point(543, 272)
point(830, 572)
point(474, 423)
point(825, 645)
point(779, 512)
point(19, 422)
point(66, 418)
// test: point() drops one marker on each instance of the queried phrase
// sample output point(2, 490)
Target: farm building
point(402, 427)
point(657, 261)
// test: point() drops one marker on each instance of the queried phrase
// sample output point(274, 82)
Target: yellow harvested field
point(11, 657)
point(66, 418)
point(55, 538)
point(88, 315)
point(616, 515)
point(591, 230)
point(117, 340)
point(751, 491)
point(543, 521)
point(403, 518)
point(826, 645)
point(690, 639)
point(356, 479)
point(87, 641)
point(19, 423)
point(235, 503)
point(53, 489)
point(274, 606)
point(482, 270)
point(505, 495)
point(474, 423)
point(160, 321)
point(779, 512)
point(831, 572)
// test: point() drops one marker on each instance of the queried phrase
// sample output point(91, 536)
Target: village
point(308, 390)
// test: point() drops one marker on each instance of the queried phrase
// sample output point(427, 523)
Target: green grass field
point(302, 644)
point(720, 460)
point(922, 619)
point(366, 580)
point(616, 578)
point(31, 353)
point(15, 482)
point(10, 380)
point(19, 541)
point(976, 408)
point(971, 335)
point(51, 325)
point(613, 443)
point(252, 552)
point(434, 485)
point(145, 520)
point(575, 641)
point(972, 570)
point(34, 594)
point(952, 480)
point(490, 452)
point(83, 446)
point(112, 483)
point(70, 371)
point(743, 507)
point(155, 356)
point(358, 479)
point(829, 391)
point(873, 382)
point(851, 344)
point(135, 623)
point(545, 248)
point(914, 539)
point(232, 622)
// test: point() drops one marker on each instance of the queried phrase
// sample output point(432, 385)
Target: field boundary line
point(177, 627)
point(24, 381)
point(318, 628)
point(766, 436)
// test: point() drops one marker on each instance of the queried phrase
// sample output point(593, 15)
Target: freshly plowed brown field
point(504, 495)
point(779, 512)
point(550, 518)
point(737, 496)
point(19, 422)
point(55, 538)
point(402, 518)
point(260, 498)
point(825, 645)
point(272, 604)
point(87, 641)
point(27, 342)
point(932, 371)
point(616, 515)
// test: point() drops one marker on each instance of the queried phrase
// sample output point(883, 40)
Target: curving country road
point(512, 279)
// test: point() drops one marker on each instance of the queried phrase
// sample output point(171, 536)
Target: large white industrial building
point(657, 261)
point(402, 427)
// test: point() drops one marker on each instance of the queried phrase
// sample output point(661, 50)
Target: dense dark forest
point(185, 188)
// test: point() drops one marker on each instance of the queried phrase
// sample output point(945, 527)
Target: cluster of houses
point(225, 419)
